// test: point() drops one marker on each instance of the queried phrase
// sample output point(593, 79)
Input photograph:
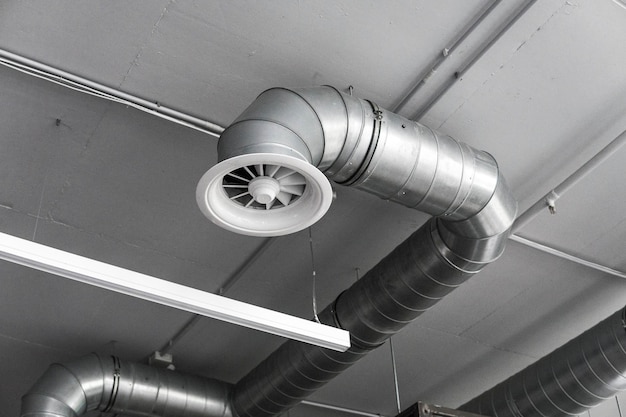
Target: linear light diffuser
point(110, 277)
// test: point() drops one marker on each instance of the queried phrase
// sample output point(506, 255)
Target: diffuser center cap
point(264, 189)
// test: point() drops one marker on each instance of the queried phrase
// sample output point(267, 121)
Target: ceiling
point(107, 181)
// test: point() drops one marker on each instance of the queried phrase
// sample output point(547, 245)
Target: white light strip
point(100, 274)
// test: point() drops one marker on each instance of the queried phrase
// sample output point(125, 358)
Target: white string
point(314, 276)
point(395, 376)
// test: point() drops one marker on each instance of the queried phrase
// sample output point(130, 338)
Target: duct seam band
point(116, 384)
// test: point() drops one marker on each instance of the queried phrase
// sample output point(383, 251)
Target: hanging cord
point(314, 276)
point(395, 376)
point(619, 409)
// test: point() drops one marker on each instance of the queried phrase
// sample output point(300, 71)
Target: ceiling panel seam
point(135, 60)
point(510, 22)
point(484, 49)
point(440, 58)
point(39, 345)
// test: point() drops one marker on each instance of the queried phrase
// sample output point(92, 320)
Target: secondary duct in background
point(577, 376)
point(109, 385)
point(572, 379)
point(269, 182)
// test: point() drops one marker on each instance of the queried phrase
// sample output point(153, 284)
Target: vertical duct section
point(110, 385)
point(356, 143)
point(572, 379)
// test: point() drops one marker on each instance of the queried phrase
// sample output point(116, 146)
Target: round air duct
point(264, 194)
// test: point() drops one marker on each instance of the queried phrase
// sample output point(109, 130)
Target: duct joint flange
point(377, 116)
point(116, 374)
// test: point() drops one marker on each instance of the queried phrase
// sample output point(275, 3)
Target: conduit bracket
point(551, 201)
point(162, 360)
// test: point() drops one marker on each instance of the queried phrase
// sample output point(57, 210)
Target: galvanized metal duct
point(110, 385)
point(572, 379)
point(356, 143)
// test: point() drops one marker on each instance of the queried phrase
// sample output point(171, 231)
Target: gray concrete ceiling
point(115, 184)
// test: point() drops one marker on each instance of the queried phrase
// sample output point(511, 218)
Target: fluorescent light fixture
point(110, 277)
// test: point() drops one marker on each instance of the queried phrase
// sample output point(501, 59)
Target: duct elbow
point(493, 221)
point(280, 122)
point(330, 130)
point(479, 240)
point(34, 405)
point(66, 390)
point(269, 179)
point(110, 385)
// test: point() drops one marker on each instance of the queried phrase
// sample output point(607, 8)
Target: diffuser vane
point(264, 186)
point(264, 194)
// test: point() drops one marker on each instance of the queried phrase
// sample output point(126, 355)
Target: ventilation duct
point(268, 181)
point(281, 144)
point(574, 378)
point(110, 385)
point(356, 143)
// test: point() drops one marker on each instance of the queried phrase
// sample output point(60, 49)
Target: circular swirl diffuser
point(264, 194)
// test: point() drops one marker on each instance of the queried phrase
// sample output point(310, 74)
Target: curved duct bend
point(356, 143)
point(110, 385)
point(286, 137)
point(577, 376)
point(269, 171)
